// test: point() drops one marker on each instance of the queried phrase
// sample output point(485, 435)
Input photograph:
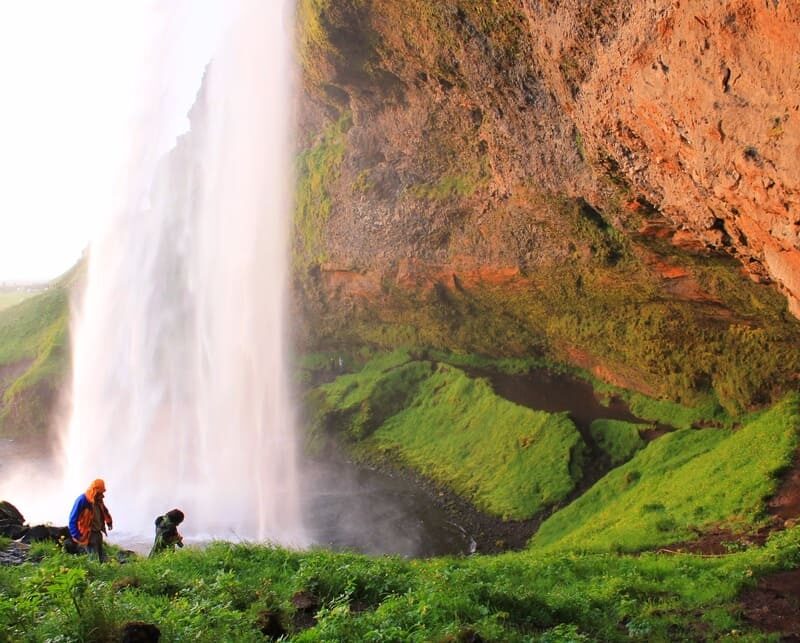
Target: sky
point(82, 82)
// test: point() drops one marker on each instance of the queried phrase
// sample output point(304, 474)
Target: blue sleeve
point(79, 505)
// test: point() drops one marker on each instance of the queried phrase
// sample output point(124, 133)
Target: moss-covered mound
point(681, 483)
point(508, 460)
point(620, 440)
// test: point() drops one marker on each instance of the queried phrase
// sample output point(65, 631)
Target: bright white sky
point(79, 81)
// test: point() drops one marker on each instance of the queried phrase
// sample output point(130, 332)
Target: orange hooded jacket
point(82, 514)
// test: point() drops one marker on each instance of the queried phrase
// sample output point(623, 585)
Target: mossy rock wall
point(469, 205)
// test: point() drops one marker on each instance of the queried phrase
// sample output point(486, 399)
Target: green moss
point(317, 169)
point(677, 415)
point(508, 365)
point(363, 183)
point(620, 440)
point(694, 478)
point(448, 186)
point(357, 404)
point(509, 460)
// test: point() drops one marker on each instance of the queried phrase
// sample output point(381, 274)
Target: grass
point(686, 480)
point(224, 592)
point(509, 460)
point(317, 168)
point(620, 440)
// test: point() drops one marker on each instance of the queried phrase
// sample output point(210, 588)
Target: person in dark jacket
point(167, 536)
point(89, 518)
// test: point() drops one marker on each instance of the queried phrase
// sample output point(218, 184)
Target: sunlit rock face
point(549, 167)
point(697, 104)
point(180, 390)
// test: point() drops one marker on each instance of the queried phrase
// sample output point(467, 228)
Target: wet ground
point(774, 605)
point(352, 507)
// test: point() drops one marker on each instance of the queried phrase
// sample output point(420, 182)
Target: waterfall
point(180, 394)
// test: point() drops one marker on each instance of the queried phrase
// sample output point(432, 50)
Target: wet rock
point(14, 554)
point(12, 522)
point(45, 533)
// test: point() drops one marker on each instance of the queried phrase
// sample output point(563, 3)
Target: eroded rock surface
point(529, 161)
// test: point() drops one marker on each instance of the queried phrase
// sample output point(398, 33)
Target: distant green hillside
point(12, 298)
point(34, 358)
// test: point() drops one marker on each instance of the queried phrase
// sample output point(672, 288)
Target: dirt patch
point(648, 435)
point(306, 606)
point(785, 504)
point(784, 509)
point(774, 604)
point(719, 541)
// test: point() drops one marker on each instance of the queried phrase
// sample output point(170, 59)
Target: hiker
point(89, 518)
point(167, 536)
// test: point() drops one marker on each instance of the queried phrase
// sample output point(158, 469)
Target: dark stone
point(12, 522)
point(10, 513)
point(306, 605)
point(138, 632)
point(13, 531)
point(45, 533)
point(269, 623)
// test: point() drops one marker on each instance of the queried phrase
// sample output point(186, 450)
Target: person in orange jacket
point(89, 518)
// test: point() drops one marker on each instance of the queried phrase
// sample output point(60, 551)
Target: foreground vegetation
point(242, 592)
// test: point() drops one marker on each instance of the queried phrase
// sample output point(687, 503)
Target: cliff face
point(698, 105)
point(591, 180)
